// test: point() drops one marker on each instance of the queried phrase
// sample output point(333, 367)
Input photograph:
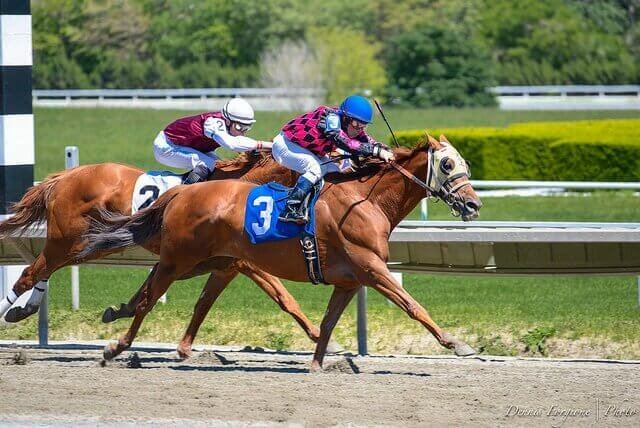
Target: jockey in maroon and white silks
point(190, 142)
point(304, 143)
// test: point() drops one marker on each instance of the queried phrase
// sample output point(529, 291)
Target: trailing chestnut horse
point(63, 200)
point(354, 218)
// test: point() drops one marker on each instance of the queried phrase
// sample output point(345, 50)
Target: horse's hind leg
point(340, 298)
point(127, 310)
point(381, 279)
point(274, 288)
point(35, 275)
point(215, 285)
point(158, 282)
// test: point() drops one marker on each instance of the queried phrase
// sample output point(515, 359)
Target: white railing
point(535, 188)
point(567, 90)
point(264, 99)
point(544, 97)
point(568, 97)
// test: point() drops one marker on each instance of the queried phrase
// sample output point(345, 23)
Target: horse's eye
point(447, 165)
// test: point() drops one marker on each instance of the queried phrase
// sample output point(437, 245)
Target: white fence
point(569, 97)
point(262, 99)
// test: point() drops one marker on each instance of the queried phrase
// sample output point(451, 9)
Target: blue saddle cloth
point(264, 205)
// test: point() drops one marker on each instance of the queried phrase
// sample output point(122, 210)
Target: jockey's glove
point(383, 153)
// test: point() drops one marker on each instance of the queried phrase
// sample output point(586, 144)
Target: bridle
point(445, 190)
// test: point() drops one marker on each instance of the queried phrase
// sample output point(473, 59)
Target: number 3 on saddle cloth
point(264, 205)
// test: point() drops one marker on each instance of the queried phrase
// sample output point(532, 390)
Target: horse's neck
point(395, 194)
point(270, 171)
point(259, 172)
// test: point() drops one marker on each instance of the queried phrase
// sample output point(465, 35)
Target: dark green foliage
point(437, 52)
point(434, 66)
point(571, 151)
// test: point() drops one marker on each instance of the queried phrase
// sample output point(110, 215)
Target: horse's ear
point(433, 143)
point(443, 139)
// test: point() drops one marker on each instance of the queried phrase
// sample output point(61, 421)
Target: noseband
point(446, 190)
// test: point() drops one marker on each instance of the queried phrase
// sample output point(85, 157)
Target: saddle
point(264, 206)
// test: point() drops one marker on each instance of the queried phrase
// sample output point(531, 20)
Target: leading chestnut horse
point(354, 218)
point(63, 200)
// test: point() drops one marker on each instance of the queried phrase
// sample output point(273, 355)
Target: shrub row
point(596, 150)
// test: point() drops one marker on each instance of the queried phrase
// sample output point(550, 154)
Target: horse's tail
point(110, 232)
point(31, 210)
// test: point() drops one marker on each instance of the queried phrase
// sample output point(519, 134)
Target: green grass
point(126, 135)
point(511, 316)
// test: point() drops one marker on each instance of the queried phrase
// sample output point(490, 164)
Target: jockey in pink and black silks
point(304, 143)
point(190, 142)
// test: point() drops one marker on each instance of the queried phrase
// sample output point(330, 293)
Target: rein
point(446, 192)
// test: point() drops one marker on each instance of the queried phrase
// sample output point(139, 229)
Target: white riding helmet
point(238, 110)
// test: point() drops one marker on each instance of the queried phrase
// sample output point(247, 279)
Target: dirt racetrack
point(229, 387)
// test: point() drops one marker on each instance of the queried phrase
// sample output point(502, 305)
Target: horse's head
point(448, 178)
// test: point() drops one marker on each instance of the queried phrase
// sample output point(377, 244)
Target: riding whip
point(386, 121)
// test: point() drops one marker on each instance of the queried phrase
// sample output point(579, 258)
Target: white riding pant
point(311, 166)
point(176, 156)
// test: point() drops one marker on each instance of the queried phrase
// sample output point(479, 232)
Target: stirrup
point(294, 215)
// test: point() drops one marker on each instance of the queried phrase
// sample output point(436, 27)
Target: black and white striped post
point(16, 115)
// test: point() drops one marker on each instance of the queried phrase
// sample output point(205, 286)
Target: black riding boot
point(197, 174)
point(297, 207)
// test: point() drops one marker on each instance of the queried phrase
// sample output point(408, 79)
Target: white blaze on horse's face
point(446, 163)
point(448, 175)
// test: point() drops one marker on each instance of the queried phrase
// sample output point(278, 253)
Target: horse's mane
point(244, 159)
point(373, 166)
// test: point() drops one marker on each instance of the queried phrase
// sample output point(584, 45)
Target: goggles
point(241, 127)
point(357, 124)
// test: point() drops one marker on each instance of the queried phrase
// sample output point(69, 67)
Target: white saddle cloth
point(150, 185)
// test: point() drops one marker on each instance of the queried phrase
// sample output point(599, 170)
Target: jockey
point(304, 143)
point(190, 142)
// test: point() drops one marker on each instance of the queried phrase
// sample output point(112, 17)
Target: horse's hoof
point(334, 347)
point(110, 351)
point(109, 315)
point(18, 313)
point(464, 350)
point(184, 352)
point(315, 367)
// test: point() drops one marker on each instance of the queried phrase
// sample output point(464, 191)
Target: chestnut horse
point(64, 199)
point(354, 218)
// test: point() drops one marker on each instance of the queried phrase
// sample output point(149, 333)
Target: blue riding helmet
point(357, 107)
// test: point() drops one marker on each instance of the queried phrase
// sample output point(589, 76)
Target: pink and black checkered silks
point(303, 130)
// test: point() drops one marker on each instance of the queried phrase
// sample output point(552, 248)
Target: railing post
point(43, 320)
point(362, 321)
point(424, 209)
point(72, 160)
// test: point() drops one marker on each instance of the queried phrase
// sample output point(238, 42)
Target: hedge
point(596, 150)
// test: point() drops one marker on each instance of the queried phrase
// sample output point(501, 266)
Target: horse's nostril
point(473, 205)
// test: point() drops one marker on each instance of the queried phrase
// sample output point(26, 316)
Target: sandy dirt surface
point(226, 387)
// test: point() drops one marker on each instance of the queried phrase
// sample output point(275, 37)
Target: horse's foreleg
point(127, 310)
point(277, 291)
point(339, 300)
point(159, 281)
point(216, 284)
point(382, 280)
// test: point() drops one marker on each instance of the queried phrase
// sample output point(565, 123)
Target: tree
point(552, 37)
point(439, 66)
point(347, 62)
